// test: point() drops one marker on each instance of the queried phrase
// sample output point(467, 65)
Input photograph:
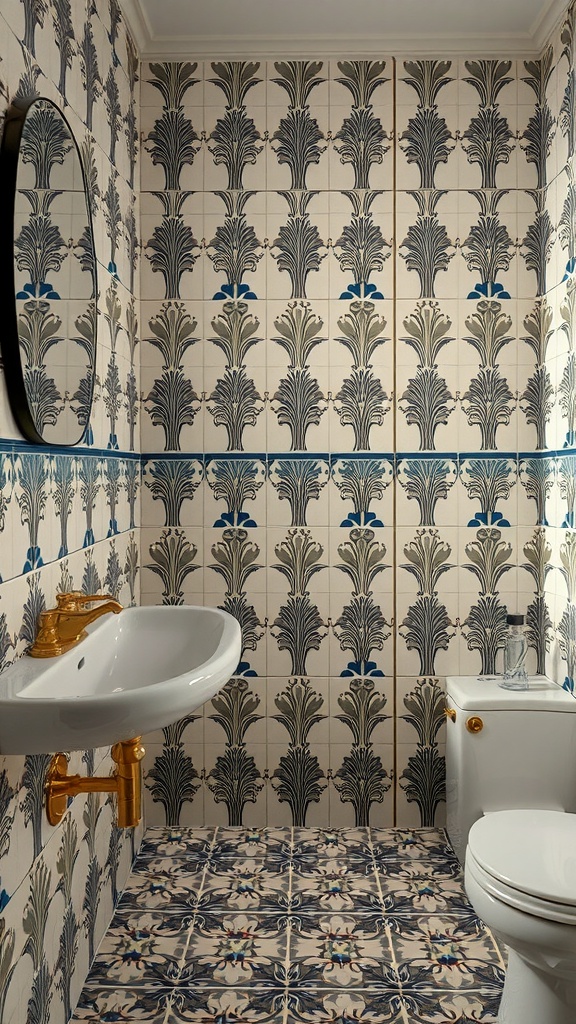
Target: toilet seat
point(527, 858)
point(537, 907)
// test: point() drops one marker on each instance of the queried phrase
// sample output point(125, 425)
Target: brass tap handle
point(63, 627)
point(75, 600)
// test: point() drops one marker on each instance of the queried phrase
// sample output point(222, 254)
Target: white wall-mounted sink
point(135, 672)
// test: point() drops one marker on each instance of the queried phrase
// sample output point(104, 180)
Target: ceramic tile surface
point(69, 516)
point(345, 411)
point(358, 419)
point(294, 925)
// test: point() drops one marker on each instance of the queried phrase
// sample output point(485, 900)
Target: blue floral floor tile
point(275, 861)
point(415, 844)
point(436, 1007)
point(142, 948)
point(350, 866)
point(403, 868)
point(253, 843)
point(162, 884)
point(134, 1006)
point(245, 885)
point(339, 950)
point(333, 885)
point(318, 844)
point(345, 1007)
point(294, 926)
point(177, 842)
point(228, 1006)
point(360, 861)
point(236, 949)
point(447, 952)
point(418, 894)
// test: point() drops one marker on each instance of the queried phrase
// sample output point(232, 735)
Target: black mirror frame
point(14, 121)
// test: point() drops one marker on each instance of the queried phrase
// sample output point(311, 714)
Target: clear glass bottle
point(514, 676)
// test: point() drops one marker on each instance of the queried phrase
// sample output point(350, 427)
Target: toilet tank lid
point(482, 693)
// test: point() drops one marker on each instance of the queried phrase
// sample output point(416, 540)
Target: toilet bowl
point(520, 877)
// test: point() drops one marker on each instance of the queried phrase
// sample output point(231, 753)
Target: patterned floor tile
point(193, 844)
point(416, 844)
point(337, 950)
point(235, 949)
point(244, 885)
point(446, 952)
point(423, 895)
point(131, 1006)
point(355, 865)
point(144, 949)
point(333, 885)
point(434, 1007)
point(314, 846)
point(160, 883)
point(252, 842)
point(275, 861)
point(294, 926)
point(317, 844)
point(434, 868)
point(338, 1007)
point(227, 1006)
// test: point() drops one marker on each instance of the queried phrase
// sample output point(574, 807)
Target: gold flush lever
point(450, 713)
point(474, 724)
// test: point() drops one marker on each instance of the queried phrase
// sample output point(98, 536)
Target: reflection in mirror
point(49, 279)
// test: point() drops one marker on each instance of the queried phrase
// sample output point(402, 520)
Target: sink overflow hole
point(81, 663)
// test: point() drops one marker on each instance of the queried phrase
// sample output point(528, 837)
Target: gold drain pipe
point(126, 782)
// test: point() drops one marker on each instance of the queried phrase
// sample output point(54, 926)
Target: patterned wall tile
point(69, 517)
point(318, 410)
point(301, 488)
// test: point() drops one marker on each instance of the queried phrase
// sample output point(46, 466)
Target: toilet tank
point(522, 754)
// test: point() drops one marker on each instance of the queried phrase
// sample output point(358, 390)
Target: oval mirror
point(48, 279)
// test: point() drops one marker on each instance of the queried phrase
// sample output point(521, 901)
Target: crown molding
point(245, 47)
point(138, 24)
point(546, 24)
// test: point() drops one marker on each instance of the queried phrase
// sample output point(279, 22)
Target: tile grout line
point(288, 956)
point(393, 961)
point(394, 445)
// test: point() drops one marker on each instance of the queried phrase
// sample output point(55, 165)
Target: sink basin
point(135, 672)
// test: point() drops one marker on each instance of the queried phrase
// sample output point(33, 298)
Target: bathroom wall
point(68, 517)
point(344, 271)
point(555, 481)
point(358, 430)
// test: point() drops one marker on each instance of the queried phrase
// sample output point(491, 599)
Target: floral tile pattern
point(69, 516)
point(347, 406)
point(369, 502)
point(330, 938)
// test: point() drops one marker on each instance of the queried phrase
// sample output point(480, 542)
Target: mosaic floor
point(233, 926)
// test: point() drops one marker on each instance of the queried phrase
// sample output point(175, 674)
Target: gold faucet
point(63, 627)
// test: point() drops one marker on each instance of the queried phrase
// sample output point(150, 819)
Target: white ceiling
point(249, 28)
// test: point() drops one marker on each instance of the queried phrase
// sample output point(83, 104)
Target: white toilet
point(511, 798)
